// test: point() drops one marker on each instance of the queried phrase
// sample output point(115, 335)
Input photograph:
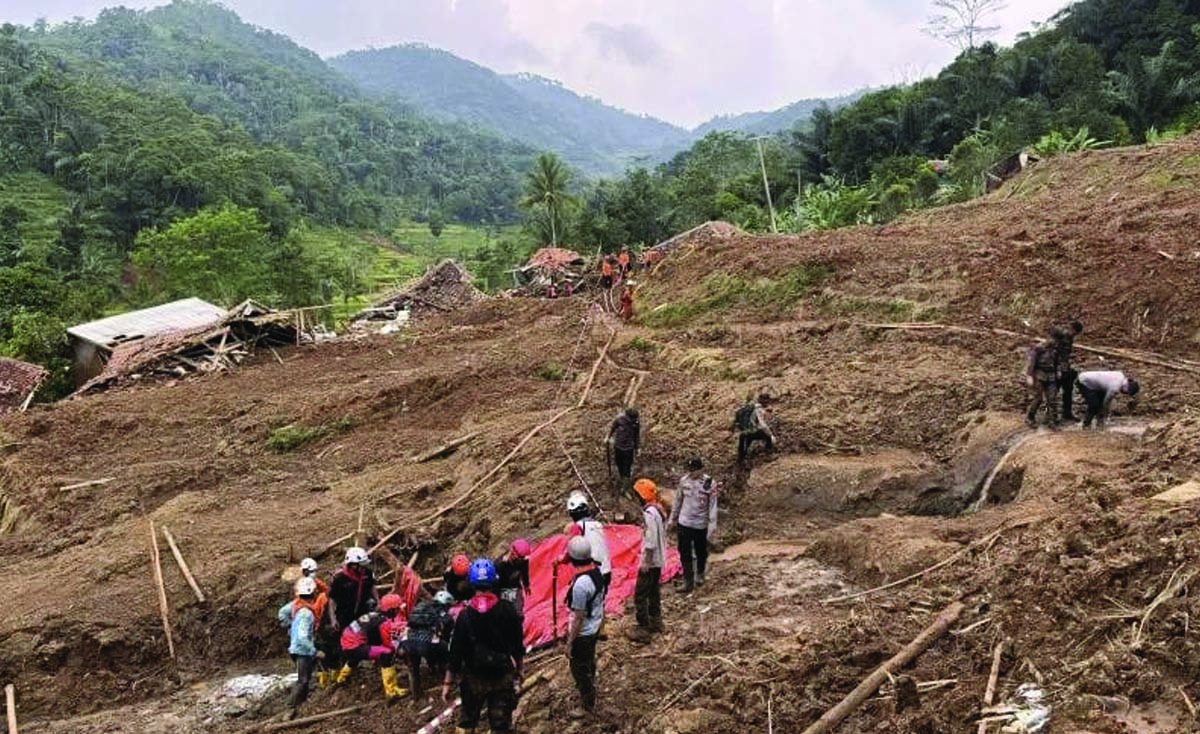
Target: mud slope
point(872, 422)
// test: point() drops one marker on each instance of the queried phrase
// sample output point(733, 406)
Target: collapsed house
point(445, 288)
point(551, 265)
point(18, 383)
point(184, 341)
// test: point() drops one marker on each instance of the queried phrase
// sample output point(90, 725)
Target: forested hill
point(774, 121)
point(378, 155)
point(540, 112)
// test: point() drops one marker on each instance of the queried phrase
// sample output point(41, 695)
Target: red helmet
point(520, 548)
point(460, 564)
point(390, 603)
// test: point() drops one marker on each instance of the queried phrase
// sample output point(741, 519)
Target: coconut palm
point(546, 192)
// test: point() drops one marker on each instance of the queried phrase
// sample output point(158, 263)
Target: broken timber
point(162, 590)
point(442, 450)
point(183, 566)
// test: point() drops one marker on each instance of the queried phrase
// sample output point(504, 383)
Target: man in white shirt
point(1099, 389)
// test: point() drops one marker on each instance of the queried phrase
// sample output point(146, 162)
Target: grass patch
point(552, 372)
point(641, 344)
point(886, 310)
point(722, 291)
point(294, 435)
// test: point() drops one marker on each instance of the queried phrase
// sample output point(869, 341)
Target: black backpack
point(597, 581)
point(484, 659)
point(744, 418)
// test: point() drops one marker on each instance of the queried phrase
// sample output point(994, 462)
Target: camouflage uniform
point(1064, 336)
point(1043, 367)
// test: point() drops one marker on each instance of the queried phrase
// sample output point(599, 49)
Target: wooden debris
point(187, 572)
point(440, 719)
point(83, 485)
point(831, 718)
point(10, 703)
point(969, 627)
point(281, 725)
point(989, 695)
point(1187, 701)
point(442, 450)
point(331, 545)
point(683, 694)
point(162, 590)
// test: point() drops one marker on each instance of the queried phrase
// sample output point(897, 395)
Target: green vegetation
point(294, 435)
point(723, 291)
point(552, 372)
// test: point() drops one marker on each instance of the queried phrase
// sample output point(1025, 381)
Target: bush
point(552, 372)
point(294, 435)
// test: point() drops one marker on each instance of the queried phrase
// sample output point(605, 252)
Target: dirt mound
point(446, 288)
point(254, 469)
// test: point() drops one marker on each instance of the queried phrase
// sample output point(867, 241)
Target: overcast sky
point(680, 60)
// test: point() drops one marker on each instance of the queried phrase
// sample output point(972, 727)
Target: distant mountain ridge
point(773, 121)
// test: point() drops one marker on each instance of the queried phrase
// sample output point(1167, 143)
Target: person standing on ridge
point(623, 262)
point(585, 600)
point(694, 517)
point(606, 272)
point(750, 423)
point(626, 309)
point(1041, 377)
point(584, 524)
point(1064, 337)
point(625, 437)
point(302, 642)
point(647, 599)
point(487, 648)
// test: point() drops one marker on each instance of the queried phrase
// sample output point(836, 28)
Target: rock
point(696, 721)
point(1180, 494)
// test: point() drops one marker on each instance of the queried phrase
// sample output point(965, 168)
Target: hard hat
point(520, 548)
point(443, 597)
point(482, 573)
point(390, 602)
point(579, 549)
point(460, 564)
point(306, 586)
point(356, 555)
point(577, 504)
point(646, 489)
point(308, 565)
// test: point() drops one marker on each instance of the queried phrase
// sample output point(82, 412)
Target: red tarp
point(624, 547)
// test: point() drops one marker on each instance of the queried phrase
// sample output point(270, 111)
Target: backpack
point(744, 418)
point(425, 616)
point(597, 581)
point(484, 659)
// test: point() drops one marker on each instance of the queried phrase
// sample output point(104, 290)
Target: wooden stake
point(1186, 700)
point(281, 725)
point(81, 485)
point(989, 695)
point(831, 718)
point(187, 572)
point(445, 448)
point(10, 702)
point(359, 538)
point(332, 544)
point(162, 590)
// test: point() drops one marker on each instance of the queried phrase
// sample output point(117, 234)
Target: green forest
point(150, 155)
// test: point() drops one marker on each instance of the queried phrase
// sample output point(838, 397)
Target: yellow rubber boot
point(343, 674)
point(324, 679)
point(391, 685)
point(460, 730)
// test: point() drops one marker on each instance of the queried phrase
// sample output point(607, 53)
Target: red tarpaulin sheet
point(624, 548)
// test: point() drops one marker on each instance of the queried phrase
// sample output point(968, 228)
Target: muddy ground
point(883, 433)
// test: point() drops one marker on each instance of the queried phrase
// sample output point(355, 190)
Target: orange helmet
point(390, 602)
point(460, 565)
point(646, 489)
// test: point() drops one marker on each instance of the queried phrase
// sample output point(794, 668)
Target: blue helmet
point(482, 573)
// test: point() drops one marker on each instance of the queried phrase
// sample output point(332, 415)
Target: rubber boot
point(342, 674)
point(460, 730)
point(391, 685)
point(324, 679)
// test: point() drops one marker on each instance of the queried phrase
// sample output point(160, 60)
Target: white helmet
point(308, 565)
point(443, 597)
point(356, 555)
point(577, 501)
point(306, 586)
point(579, 549)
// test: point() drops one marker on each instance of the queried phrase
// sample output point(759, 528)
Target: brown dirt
point(872, 424)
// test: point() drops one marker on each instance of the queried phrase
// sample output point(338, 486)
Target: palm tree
point(546, 188)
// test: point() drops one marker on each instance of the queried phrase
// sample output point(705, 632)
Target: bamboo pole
point(281, 725)
point(162, 590)
point(989, 695)
point(10, 703)
point(834, 716)
point(183, 566)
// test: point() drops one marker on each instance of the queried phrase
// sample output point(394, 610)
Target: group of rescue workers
point(470, 632)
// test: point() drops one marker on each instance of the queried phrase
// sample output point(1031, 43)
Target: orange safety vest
point(606, 268)
point(623, 259)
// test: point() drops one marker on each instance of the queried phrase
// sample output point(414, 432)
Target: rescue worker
point(513, 571)
point(429, 627)
point(623, 262)
point(456, 579)
point(552, 290)
point(626, 309)
point(370, 638)
point(647, 599)
point(694, 518)
point(351, 595)
point(606, 272)
point(486, 652)
point(750, 423)
point(1041, 377)
point(302, 642)
point(625, 436)
point(325, 638)
point(585, 600)
point(1099, 389)
point(308, 568)
point(583, 524)
point(1064, 336)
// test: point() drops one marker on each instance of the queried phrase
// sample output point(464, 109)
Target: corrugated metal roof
point(189, 313)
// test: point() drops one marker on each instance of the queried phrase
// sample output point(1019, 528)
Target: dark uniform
point(625, 435)
point(1043, 368)
point(1064, 336)
point(486, 650)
